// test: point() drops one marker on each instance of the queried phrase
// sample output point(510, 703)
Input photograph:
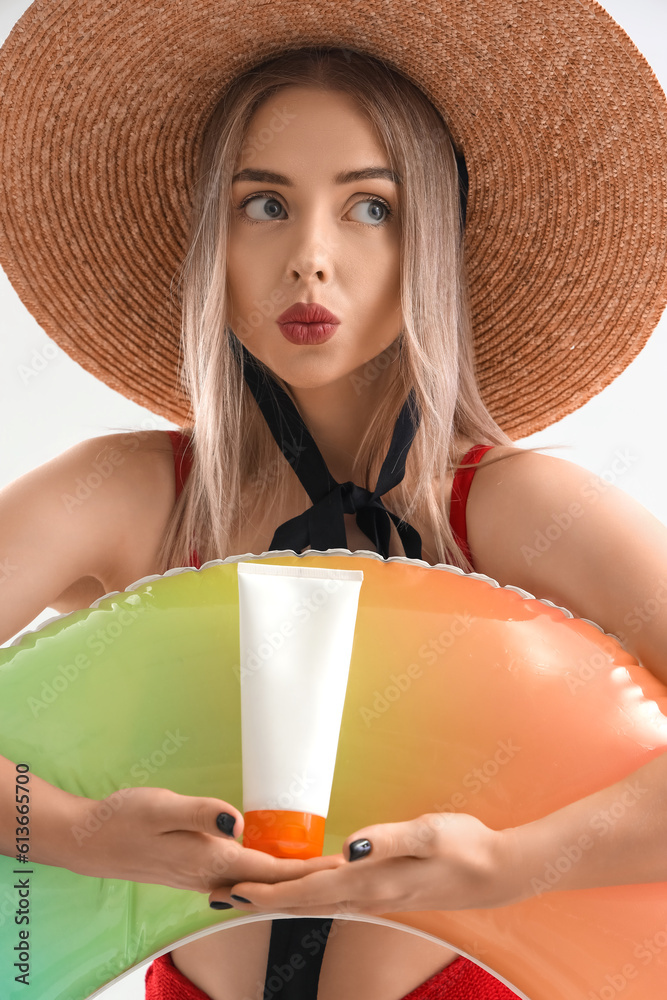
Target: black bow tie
point(322, 526)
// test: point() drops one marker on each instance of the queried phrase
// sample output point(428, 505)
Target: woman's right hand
point(158, 836)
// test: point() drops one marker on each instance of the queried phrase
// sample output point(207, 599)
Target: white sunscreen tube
point(296, 628)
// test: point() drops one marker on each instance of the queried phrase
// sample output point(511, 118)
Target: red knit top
point(460, 980)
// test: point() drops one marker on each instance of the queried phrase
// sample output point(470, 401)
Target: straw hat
point(562, 122)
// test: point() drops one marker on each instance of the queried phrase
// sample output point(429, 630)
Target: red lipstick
point(307, 323)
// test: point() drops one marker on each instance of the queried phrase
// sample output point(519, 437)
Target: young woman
point(329, 179)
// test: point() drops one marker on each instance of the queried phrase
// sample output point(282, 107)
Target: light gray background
point(60, 404)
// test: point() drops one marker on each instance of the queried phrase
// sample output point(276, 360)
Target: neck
point(337, 416)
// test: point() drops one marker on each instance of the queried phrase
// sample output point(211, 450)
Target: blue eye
point(376, 203)
point(272, 207)
point(273, 213)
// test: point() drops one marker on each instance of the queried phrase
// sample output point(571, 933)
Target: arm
point(617, 836)
point(46, 545)
point(48, 541)
point(51, 815)
point(150, 835)
point(609, 565)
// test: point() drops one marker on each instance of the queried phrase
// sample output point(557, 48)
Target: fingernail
point(359, 849)
point(215, 905)
point(225, 822)
point(241, 899)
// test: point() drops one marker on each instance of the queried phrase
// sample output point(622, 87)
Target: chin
point(311, 372)
point(316, 381)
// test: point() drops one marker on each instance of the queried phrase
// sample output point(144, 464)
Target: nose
point(307, 273)
point(308, 263)
point(311, 253)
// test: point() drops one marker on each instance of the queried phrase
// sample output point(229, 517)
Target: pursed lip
point(307, 312)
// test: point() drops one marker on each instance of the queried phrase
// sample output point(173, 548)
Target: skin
point(599, 568)
point(313, 252)
point(327, 244)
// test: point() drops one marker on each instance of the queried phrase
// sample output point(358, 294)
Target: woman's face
point(313, 239)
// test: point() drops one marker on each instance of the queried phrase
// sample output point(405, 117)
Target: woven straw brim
point(562, 121)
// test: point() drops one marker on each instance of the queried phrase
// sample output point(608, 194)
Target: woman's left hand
point(439, 861)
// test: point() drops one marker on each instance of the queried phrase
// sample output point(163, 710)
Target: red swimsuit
point(461, 979)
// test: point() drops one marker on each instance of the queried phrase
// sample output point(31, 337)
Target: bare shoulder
point(84, 523)
point(133, 472)
point(561, 532)
point(134, 458)
point(520, 508)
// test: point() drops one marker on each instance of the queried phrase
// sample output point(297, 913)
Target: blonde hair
point(230, 438)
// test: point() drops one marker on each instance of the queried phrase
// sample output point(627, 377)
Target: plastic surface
point(284, 834)
point(462, 696)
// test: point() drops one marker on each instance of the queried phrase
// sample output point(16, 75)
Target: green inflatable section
point(138, 691)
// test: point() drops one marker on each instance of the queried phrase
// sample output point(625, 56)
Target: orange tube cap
point(284, 834)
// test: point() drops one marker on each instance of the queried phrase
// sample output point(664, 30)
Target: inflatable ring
point(462, 695)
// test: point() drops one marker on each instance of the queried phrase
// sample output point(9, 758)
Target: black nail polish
point(359, 849)
point(241, 899)
point(225, 822)
point(215, 905)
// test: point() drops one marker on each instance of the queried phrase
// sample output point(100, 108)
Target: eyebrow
point(345, 177)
